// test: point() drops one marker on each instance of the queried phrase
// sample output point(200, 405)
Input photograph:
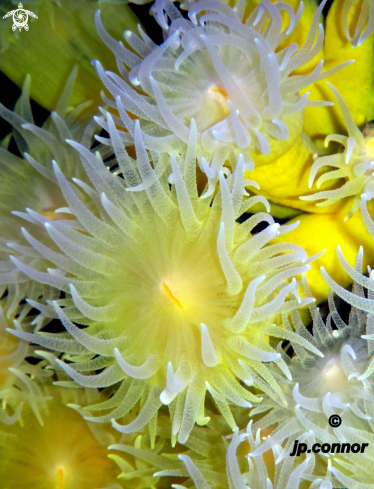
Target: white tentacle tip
point(275, 227)
point(354, 375)
point(11, 331)
point(72, 289)
point(351, 351)
point(60, 363)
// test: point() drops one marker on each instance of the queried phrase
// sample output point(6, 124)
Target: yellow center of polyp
point(212, 107)
point(170, 295)
point(334, 376)
point(50, 215)
point(60, 479)
point(217, 92)
point(55, 216)
point(333, 373)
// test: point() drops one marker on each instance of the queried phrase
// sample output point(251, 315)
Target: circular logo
point(20, 18)
point(335, 420)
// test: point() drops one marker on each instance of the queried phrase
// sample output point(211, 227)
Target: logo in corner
point(20, 17)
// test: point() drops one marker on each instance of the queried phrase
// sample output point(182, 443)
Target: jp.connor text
point(300, 448)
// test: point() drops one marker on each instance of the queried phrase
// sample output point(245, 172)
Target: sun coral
point(158, 457)
point(210, 460)
point(29, 189)
point(177, 297)
point(176, 305)
point(354, 165)
point(340, 383)
point(63, 453)
point(289, 472)
point(20, 381)
point(239, 77)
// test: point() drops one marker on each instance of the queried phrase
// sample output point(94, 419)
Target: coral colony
point(162, 323)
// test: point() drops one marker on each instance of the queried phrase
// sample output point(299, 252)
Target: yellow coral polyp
point(27, 186)
point(61, 454)
point(20, 381)
point(340, 383)
point(353, 174)
point(238, 74)
point(178, 298)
